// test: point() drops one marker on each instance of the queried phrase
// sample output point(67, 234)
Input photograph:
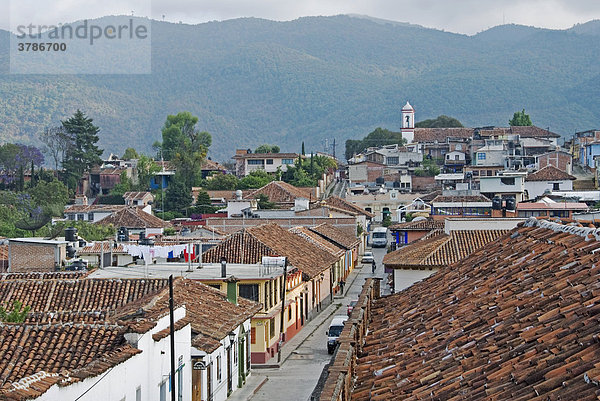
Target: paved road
point(306, 354)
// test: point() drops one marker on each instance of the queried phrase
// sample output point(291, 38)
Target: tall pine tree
point(82, 153)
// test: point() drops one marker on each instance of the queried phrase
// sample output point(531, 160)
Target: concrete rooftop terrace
point(208, 271)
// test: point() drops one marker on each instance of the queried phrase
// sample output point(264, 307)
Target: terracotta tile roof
point(318, 240)
point(107, 170)
point(339, 203)
point(251, 244)
point(423, 135)
point(552, 206)
point(97, 246)
point(94, 208)
point(35, 357)
point(466, 198)
point(422, 225)
point(517, 319)
point(440, 249)
point(51, 299)
point(63, 275)
point(549, 173)
point(430, 196)
point(207, 309)
point(430, 135)
point(282, 193)
point(136, 195)
point(226, 194)
point(212, 165)
point(266, 156)
point(341, 237)
point(532, 132)
point(133, 217)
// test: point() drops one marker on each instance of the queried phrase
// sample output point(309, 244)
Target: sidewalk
point(259, 373)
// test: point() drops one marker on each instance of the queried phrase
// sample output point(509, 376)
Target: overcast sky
point(462, 16)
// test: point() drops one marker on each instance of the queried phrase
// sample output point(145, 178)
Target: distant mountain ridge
point(252, 81)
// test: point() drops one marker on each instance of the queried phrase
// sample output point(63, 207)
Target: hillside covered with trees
point(254, 82)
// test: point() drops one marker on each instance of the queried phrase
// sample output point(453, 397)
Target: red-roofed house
point(548, 179)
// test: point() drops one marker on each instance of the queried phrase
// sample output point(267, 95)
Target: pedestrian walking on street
point(373, 267)
point(342, 283)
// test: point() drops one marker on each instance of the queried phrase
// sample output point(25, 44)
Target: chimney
point(232, 289)
point(223, 267)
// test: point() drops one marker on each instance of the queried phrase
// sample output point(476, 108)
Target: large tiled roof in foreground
point(55, 300)
point(518, 319)
point(35, 357)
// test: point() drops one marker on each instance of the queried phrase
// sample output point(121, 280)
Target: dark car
point(351, 306)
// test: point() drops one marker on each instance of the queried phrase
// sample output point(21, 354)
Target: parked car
point(335, 329)
point(367, 257)
point(351, 306)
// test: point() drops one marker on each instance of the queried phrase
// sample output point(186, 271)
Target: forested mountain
point(253, 81)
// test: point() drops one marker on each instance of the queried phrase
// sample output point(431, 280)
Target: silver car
point(367, 257)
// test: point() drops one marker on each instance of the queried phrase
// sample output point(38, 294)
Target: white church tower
point(408, 122)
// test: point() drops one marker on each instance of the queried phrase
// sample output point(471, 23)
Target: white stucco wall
point(219, 387)
point(537, 188)
point(146, 370)
point(405, 278)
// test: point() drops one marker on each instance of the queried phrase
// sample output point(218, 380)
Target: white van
point(335, 329)
point(379, 237)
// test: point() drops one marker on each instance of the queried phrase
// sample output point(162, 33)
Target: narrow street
point(306, 354)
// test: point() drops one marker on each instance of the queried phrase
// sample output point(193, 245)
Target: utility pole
point(283, 291)
point(334, 148)
point(172, 335)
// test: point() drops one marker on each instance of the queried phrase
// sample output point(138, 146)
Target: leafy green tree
point(178, 197)
point(442, 121)
point(82, 153)
point(429, 168)
point(17, 313)
point(185, 146)
point(379, 137)
point(256, 179)
point(520, 119)
point(130, 154)
point(86, 230)
point(267, 149)
point(301, 178)
point(123, 186)
point(203, 198)
point(222, 182)
point(50, 193)
point(56, 144)
point(146, 168)
point(264, 203)
point(387, 221)
point(203, 204)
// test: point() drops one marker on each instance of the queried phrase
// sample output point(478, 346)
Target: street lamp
point(231, 335)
